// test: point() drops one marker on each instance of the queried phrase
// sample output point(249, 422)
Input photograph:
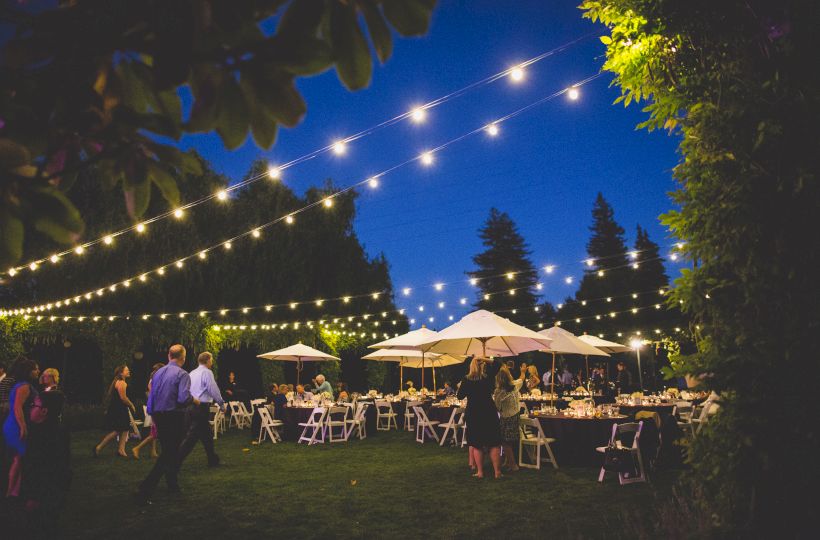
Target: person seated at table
point(533, 380)
point(409, 384)
point(344, 397)
point(273, 389)
point(623, 381)
point(279, 401)
point(597, 378)
point(322, 385)
point(448, 390)
point(302, 394)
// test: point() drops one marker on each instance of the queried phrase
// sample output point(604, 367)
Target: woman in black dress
point(117, 421)
point(481, 416)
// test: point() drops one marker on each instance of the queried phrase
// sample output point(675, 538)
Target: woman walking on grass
point(152, 437)
point(481, 416)
point(507, 401)
point(116, 415)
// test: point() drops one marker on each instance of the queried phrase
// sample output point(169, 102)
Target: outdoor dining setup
point(559, 426)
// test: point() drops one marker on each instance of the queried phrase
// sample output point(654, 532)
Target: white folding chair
point(451, 427)
point(708, 408)
point(533, 438)
point(237, 416)
point(635, 450)
point(359, 421)
point(135, 425)
point(463, 425)
point(216, 419)
point(269, 427)
point(337, 417)
point(148, 422)
point(258, 402)
point(313, 431)
point(424, 425)
point(409, 416)
point(385, 415)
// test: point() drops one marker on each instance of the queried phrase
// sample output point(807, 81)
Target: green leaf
point(282, 99)
point(379, 31)
point(350, 49)
point(301, 18)
point(205, 111)
point(165, 182)
point(232, 123)
point(11, 238)
point(301, 55)
point(55, 215)
point(409, 17)
point(263, 125)
point(137, 191)
point(606, 40)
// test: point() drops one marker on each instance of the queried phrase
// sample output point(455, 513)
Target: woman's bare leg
point(495, 457)
point(136, 450)
point(478, 459)
point(105, 440)
point(15, 476)
point(123, 440)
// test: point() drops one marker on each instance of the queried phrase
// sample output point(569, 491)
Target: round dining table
point(291, 418)
point(665, 410)
point(576, 438)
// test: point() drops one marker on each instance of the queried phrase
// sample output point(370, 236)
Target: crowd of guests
point(36, 470)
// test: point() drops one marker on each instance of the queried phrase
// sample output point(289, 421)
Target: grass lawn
point(377, 488)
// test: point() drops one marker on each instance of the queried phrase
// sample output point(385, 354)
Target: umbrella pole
point(434, 380)
point(422, 369)
point(587, 360)
point(401, 376)
point(298, 370)
point(552, 382)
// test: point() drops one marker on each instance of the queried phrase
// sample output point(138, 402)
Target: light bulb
point(228, 245)
point(418, 115)
point(161, 271)
point(108, 240)
point(222, 195)
point(549, 269)
point(274, 172)
point(33, 266)
point(427, 158)
point(492, 130)
point(406, 291)
point(12, 272)
point(517, 74)
point(79, 250)
point(590, 262)
point(255, 233)
point(328, 202)
point(568, 280)
point(473, 281)
point(140, 227)
point(178, 213)
point(373, 182)
point(438, 286)
point(179, 264)
point(202, 255)
point(573, 94)
point(510, 275)
point(463, 301)
point(600, 273)
point(289, 220)
point(339, 148)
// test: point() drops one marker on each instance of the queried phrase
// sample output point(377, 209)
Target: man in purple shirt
point(170, 394)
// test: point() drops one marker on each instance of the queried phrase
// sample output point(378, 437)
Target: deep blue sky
point(544, 169)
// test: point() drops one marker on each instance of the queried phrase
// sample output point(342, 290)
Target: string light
point(339, 148)
point(179, 213)
point(274, 173)
point(140, 228)
point(427, 158)
point(289, 219)
point(202, 255)
point(517, 74)
point(568, 280)
point(418, 115)
point(328, 202)
point(108, 240)
point(373, 182)
point(222, 195)
point(549, 269)
point(228, 245)
point(492, 130)
point(573, 93)
point(256, 233)
point(79, 250)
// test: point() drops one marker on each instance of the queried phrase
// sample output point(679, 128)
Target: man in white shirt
point(205, 390)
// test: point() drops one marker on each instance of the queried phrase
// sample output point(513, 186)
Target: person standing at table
point(206, 392)
point(483, 430)
point(322, 386)
point(508, 402)
point(170, 394)
point(533, 380)
point(623, 382)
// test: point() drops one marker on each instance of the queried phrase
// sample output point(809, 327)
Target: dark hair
point(504, 380)
point(117, 377)
point(21, 369)
point(156, 367)
point(621, 363)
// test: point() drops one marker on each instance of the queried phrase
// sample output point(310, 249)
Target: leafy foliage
point(90, 82)
point(734, 80)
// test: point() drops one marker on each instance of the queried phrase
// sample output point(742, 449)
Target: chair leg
point(601, 475)
point(552, 456)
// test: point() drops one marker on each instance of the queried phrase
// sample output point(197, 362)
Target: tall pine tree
point(504, 268)
point(608, 278)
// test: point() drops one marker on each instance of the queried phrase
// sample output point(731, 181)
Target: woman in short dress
point(16, 427)
point(508, 402)
point(152, 436)
point(117, 421)
point(481, 416)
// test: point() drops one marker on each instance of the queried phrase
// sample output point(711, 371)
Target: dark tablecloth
point(664, 409)
point(577, 438)
point(292, 417)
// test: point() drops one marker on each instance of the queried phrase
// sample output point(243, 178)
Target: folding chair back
point(409, 415)
point(135, 425)
point(337, 417)
point(268, 426)
point(533, 440)
point(616, 440)
point(148, 422)
point(452, 426)
point(385, 417)
point(314, 428)
point(424, 425)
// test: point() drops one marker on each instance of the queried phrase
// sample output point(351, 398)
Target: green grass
point(380, 487)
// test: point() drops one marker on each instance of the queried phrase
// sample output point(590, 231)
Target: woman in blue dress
point(15, 429)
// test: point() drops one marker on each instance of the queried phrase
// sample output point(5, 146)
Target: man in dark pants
point(170, 394)
point(204, 390)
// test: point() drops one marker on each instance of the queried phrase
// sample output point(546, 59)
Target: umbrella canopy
point(410, 340)
point(482, 333)
point(412, 358)
point(298, 353)
point(564, 342)
point(604, 345)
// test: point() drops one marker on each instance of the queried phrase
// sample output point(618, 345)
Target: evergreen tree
point(505, 272)
point(607, 281)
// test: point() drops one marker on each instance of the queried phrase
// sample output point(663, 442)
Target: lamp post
point(636, 344)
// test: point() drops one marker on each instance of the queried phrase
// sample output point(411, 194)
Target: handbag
point(618, 460)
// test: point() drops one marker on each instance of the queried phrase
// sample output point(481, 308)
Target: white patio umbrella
point(298, 353)
point(566, 342)
point(412, 340)
point(483, 333)
point(414, 358)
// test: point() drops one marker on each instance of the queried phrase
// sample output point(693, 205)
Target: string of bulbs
point(426, 158)
point(416, 114)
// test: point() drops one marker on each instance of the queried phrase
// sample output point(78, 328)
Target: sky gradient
point(544, 168)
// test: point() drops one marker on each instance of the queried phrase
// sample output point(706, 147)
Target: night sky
point(544, 168)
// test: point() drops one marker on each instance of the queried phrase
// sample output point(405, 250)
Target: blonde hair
point(476, 370)
point(532, 371)
point(53, 373)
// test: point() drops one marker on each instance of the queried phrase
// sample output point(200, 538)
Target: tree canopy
point(93, 82)
point(733, 79)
